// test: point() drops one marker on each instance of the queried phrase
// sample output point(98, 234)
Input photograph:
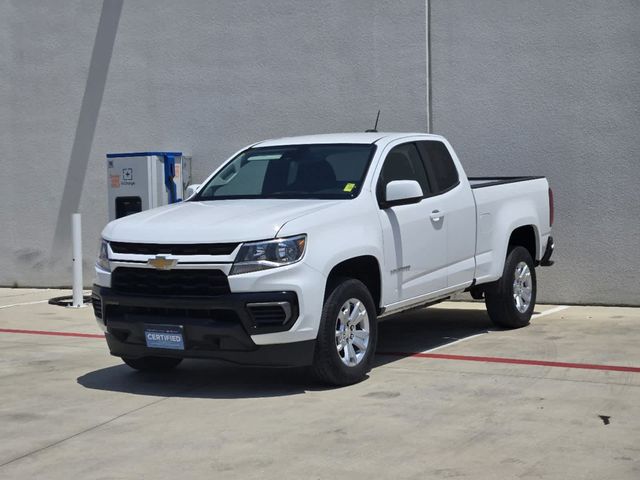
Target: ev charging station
point(139, 181)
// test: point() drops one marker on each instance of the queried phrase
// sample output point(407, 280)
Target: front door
point(415, 236)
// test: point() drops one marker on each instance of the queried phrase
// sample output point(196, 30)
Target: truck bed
point(481, 182)
point(499, 209)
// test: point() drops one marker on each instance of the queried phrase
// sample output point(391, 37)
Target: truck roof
point(356, 137)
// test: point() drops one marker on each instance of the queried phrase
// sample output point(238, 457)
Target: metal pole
point(76, 234)
point(427, 8)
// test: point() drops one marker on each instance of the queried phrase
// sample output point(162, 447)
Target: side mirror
point(191, 190)
point(402, 192)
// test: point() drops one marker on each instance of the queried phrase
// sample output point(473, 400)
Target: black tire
point(328, 366)
point(499, 297)
point(153, 364)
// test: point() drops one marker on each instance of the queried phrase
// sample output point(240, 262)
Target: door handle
point(437, 215)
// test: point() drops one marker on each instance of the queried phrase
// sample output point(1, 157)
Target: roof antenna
point(375, 128)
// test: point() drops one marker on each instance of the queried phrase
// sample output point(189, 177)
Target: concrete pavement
point(69, 410)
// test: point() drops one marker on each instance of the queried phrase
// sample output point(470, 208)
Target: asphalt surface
point(558, 399)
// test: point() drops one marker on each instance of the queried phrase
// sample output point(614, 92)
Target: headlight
point(103, 256)
point(256, 256)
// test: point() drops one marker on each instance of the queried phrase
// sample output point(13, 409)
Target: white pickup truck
point(292, 250)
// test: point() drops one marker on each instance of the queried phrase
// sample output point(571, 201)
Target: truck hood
point(212, 222)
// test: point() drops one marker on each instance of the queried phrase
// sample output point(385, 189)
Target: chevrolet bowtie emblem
point(162, 263)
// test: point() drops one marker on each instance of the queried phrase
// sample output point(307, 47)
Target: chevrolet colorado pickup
point(293, 249)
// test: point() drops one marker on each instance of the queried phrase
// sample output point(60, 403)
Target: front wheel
point(510, 301)
point(347, 336)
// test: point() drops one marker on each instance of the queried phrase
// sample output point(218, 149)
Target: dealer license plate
point(164, 336)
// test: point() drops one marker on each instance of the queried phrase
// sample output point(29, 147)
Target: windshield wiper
point(286, 193)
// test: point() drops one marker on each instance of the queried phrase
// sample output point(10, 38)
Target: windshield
point(330, 171)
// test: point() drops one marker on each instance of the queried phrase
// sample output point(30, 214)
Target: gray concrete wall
point(200, 76)
point(549, 88)
point(552, 88)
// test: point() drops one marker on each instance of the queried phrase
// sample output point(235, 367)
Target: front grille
point(174, 249)
point(179, 282)
point(96, 302)
point(268, 314)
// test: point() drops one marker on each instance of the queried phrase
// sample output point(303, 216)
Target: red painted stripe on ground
point(438, 356)
point(516, 361)
point(47, 332)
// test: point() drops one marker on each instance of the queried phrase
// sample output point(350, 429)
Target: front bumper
point(218, 327)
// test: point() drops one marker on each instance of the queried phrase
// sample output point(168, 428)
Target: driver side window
point(403, 163)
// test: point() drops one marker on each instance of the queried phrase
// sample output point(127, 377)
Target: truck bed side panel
point(501, 208)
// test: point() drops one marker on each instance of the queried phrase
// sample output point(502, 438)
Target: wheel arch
point(525, 236)
point(365, 268)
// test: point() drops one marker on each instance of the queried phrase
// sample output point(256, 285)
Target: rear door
point(459, 212)
point(415, 235)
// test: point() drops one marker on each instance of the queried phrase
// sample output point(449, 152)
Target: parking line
point(49, 332)
point(557, 309)
point(515, 361)
point(25, 303)
point(455, 342)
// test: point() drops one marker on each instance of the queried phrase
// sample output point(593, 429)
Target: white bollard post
point(76, 234)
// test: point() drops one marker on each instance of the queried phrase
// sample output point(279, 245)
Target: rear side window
point(403, 163)
point(439, 164)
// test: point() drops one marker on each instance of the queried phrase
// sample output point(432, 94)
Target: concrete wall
point(200, 76)
point(549, 88)
point(552, 88)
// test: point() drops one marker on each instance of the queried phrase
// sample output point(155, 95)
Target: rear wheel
point(511, 300)
point(347, 337)
point(153, 364)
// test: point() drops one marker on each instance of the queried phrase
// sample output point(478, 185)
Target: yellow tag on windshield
point(349, 186)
